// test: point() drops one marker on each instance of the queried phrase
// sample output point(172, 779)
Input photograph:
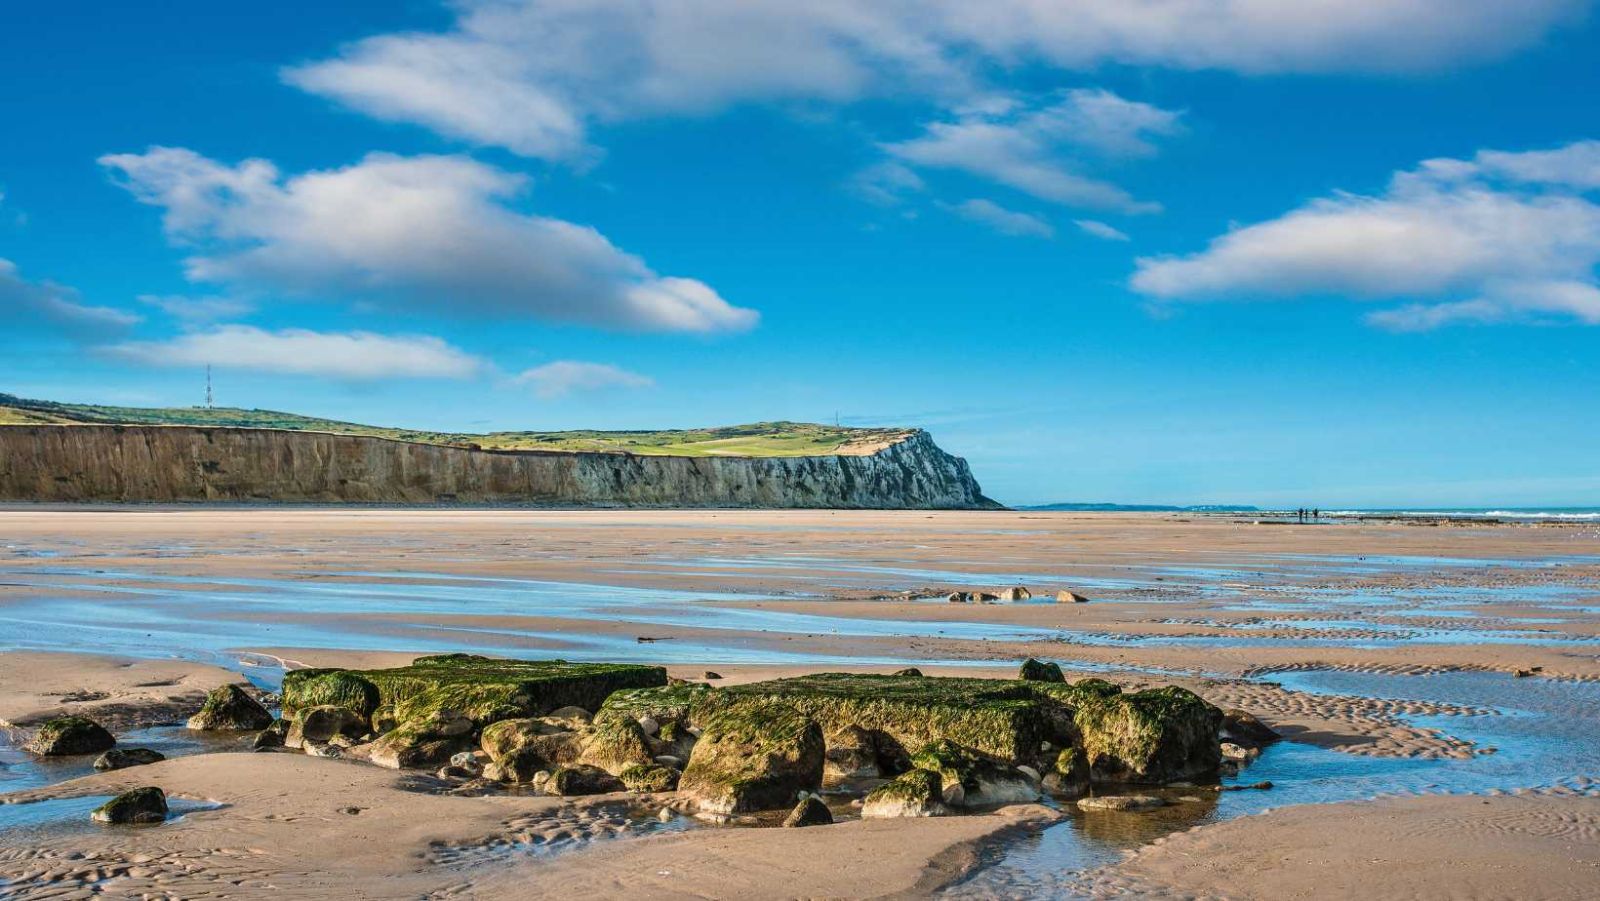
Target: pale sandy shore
point(1218, 604)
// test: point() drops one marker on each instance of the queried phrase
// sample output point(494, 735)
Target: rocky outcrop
point(186, 464)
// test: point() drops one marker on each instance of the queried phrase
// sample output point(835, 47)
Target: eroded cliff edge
point(184, 464)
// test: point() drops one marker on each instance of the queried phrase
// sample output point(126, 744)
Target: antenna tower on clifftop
point(208, 386)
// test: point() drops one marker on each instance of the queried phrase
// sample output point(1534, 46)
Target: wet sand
point(1239, 612)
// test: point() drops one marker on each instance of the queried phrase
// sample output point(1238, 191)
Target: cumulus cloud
point(344, 355)
point(428, 232)
point(59, 306)
point(1100, 230)
point(1002, 220)
point(1041, 151)
point(564, 377)
point(1502, 236)
point(535, 75)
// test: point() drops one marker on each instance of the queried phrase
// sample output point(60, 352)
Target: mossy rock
point(615, 745)
point(1153, 736)
point(228, 708)
point(141, 805)
point(652, 778)
point(582, 780)
point(1039, 671)
point(917, 793)
point(1069, 776)
point(320, 724)
point(668, 705)
point(809, 812)
point(329, 688)
point(754, 757)
point(484, 689)
point(502, 738)
point(539, 752)
point(122, 758)
point(970, 780)
point(69, 735)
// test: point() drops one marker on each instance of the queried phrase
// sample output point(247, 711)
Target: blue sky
point(1191, 251)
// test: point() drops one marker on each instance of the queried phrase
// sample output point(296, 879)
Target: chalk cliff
point(180, 464)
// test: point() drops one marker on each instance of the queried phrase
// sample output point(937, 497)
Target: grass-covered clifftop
point(760, 439)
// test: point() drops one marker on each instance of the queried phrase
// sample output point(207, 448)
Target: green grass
point(760, 439)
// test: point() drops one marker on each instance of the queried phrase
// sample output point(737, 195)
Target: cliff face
point(172, 463)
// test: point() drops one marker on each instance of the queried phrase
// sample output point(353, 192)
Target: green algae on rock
point(141, 805)
point(1152, 736)
point(68, 735)
point(754, 757)
point(122, 758)
point(329, 688)
point(917, 793)
point(581, 779)
point(1038, 671)
point(615, 745)
point(228, 708)
point(652, 778)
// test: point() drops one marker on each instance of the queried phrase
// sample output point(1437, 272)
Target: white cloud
point(1504, 236)
point(1002, 220)
point(567, 376)
point(57, 305)
point(197, 309)
point(1041, 151)
point(1100, 230)
point(534, 75)
point(428, 232)
point(344, 355)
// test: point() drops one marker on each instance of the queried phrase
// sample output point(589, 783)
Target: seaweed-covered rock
point(652, 778)
point(581, 779)
point(329, 688)
point(229, 708)
point(674, 740)
point(1242, 727)
point(917, 793)
point(320, 725)
point(1070, 775)
point(142, 805)
point(615, 745)
point(809, 812)
point(668, 704)
point(852, 754)
point(68, 735)
point(755, 757)
point(968, 780)
point(122, 758)
point(908, 671)
point(271, 737)
point(500, 739)
point(479, 689)
point(538, 753)
point(1154, 736)
point(1038, 671)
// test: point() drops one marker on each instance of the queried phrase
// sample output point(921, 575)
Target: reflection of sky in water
point(1544, 735)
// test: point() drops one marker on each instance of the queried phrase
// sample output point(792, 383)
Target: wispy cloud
point(197, 309)
point(1100, 230)
point(59, 306)
point(346, 355)
point(565, 377)
point(1500, 237)
point(428, 232)
point(1002, 220)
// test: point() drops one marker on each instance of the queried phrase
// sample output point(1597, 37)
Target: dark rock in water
point(756, 757)
point(908, 671)
point(959, 597)
point(1243, 728)
point(1263, 785)
point(1070, 775)
point(809, 812)
point(122, 758)
point(320, 724)
point(1125, 803)
point(228, 708)
point(142, 805)
point(652, 778)
point(1038, 671)
point(582, 779)
point(917, 793)
point(271, 737)
point(438, 703)
point(67, 735)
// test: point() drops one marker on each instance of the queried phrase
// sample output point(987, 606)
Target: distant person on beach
point(1316, 513)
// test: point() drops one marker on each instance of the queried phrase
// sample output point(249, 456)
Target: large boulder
point(329, 688)
point(502, 738)
point(540, 753)
point(969, 780)
point(754, 757)
point(651, 778)
point(1038, 671)
point(581, 779)
point(122, 758)
point(809, 812)
point(1153, 736)
point(427, 742)
point(142, 805)
point(320, 725)
point(229, 708)
point(918, 793)
point(615, 745)
point(68, 735)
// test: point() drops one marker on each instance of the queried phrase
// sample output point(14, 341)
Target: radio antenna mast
point(208, 386)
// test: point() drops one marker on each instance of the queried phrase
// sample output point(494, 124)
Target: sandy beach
point(1453, 665)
